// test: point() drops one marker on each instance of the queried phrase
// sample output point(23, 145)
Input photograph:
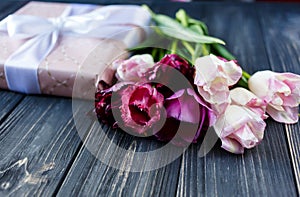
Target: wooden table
point(41, 152)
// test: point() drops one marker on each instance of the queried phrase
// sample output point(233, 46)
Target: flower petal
point(231, 145)
point(281, 91)
point(289, 115)
point(259, 83)
point(233, 72)
point(206, 70)
point(184, 107)
point(239, 128)
point(243, 97)
point(245, 137)
point(133, 69)
point(213, 78)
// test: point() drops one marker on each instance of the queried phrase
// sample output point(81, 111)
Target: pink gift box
point(57, 72)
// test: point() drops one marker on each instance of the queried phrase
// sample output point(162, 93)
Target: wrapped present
point(44, 45)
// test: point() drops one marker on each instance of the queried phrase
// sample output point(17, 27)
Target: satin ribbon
point(106, 22)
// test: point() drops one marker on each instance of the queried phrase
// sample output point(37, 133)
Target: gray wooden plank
point(95, 178)
point(38, 141)
point(260, 171)
point(292, 133)
point(263, 171)
point(281, 33)
point(8, 101)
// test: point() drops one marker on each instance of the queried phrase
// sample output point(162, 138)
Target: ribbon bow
point(43, 33)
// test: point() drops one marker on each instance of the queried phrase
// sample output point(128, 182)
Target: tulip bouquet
point(176, 94)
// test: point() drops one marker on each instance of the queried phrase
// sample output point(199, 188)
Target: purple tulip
point(187, 109)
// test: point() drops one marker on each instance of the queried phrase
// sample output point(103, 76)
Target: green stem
point(198, 50)
point(161, 54)
point(174, 47)
point(243, 83)
point(182, 17)
point(222, 51)
point(246, 75)
point(148, 9)
point(188, 47)
point(154, 53)
point(205, 50)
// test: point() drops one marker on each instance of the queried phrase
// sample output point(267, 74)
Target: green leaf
point(196, 28)
point(187, 21)
point(185, 34)
point(200, 23)
point(222, 51)
point(174, 29)
point(155, 40)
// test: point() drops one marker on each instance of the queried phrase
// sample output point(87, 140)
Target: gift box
point(45, 45)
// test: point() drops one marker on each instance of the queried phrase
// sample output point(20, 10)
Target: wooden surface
point(42, 153)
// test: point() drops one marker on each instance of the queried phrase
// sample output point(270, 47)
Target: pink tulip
point(141, 107)
point(213, 78)
point(242, 125)
point(134, 68)
point(281, 91)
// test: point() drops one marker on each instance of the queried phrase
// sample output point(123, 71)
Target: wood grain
point(96, 176)
point(262, 171)
point(281, 29)
point(8, 102)
point(38, 141)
